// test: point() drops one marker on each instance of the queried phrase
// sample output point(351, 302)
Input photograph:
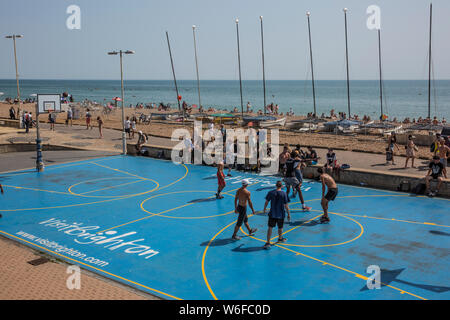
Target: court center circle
point(136, 180)
point(161, 214)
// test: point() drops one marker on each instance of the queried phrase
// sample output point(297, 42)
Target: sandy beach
point(371, 143)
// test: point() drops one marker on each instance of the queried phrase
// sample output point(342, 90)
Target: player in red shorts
point(220, 180)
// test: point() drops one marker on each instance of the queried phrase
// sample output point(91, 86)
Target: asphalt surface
point(25, 160)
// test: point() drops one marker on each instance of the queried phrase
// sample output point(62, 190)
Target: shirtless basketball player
point(329, 182)
point(240, 205)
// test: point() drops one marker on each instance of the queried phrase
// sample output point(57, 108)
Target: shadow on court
point(218, 242)
point(389, 276)
point(439, 233)
point(247, 249)
point(210, 199)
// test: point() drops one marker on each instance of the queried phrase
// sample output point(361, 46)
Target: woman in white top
point(410, 151)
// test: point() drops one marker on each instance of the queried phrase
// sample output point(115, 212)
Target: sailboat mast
point(429, 64)
point(312, 68)
point(239, 64)
point(379, 64)
point(173, 72)
point(263, 70)
point(196, 67)
point(346, 57)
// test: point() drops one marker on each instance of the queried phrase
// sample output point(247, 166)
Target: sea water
point(402, 98)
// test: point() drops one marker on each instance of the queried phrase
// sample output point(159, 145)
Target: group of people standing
point(277, 198)
point(437, 167)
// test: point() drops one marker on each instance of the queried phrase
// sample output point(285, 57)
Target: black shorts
point(242, 215)
point(127, 130)
point(331, 194)
point(274, 221)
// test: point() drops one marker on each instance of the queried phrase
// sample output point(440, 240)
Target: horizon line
point(309, 80)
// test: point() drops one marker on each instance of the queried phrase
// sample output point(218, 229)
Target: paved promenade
point(80, 138)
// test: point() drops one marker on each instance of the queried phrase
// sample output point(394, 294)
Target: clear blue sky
point(50, 51)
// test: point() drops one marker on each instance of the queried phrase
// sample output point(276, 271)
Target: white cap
point(245, 182)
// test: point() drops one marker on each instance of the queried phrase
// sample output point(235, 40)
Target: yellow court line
point(332, 244)
point(184, 176)
point(112, 187)
point(89, 203)
point(111, 274)
point(118, 170)
point(38, 190)
point(182, 206)
point(111, 178)
point(151, 214)
point(324, 263)
point(396, 220)
point(62, 165)
point(65, 206)
point(204, 257)
point(294, 227)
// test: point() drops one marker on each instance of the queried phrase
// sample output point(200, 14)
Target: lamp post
point(14, 37)
point(124, 138)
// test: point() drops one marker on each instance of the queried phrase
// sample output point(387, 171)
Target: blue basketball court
point(157, 226)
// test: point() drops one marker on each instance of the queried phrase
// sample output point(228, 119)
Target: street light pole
point(124, 137)
point(14, 36)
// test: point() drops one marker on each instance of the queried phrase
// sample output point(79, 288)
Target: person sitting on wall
point(142, 140)
point(435, 172)
point(311, 156)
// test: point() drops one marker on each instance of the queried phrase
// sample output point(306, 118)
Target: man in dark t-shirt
point(312, 156)
point(278, 206)
point(435, 172)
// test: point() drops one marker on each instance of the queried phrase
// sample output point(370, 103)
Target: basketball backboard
point(49, 103)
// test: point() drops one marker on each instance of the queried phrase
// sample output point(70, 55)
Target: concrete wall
point(356, 177)
point(378, 179)
point(420, 139)
point(10, 123)
point(23, 147)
